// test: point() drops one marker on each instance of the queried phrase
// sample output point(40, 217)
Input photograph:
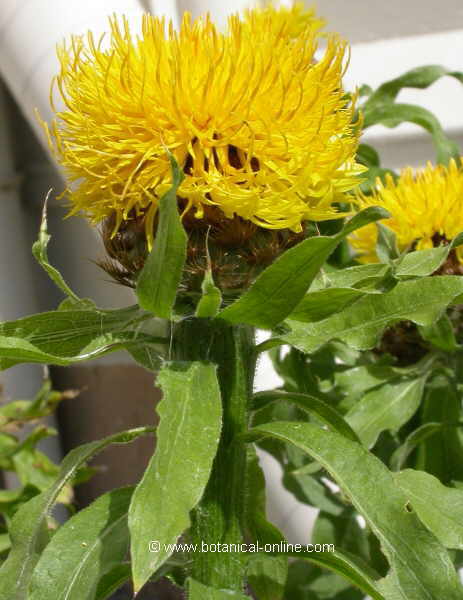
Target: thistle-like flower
point(261, 127)
point(426, 208)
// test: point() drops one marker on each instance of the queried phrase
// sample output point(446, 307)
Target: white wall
point(372, 20)
point(387, 37)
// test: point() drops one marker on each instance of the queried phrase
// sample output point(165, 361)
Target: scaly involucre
point(261, 128)
point(426, 210)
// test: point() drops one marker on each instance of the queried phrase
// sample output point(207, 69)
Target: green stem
point(219, 518)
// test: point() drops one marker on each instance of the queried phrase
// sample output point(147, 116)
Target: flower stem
point(219, 518)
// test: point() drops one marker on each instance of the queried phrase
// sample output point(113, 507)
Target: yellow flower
point(262, 129)
point(426, 210)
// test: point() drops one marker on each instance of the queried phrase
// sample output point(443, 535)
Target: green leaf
point(39, 250)
point(147, 355)
point(112, 581)
point(345, 565)
point(360, 277)
point(88, 545)
point(391, 115)
point(421, 262)
point(386, 245)
point(441, 454)
point(174, 481)
point(158, 281)
point(412, 441)
point(367, 155)
point(420, 77)
point(441, 334)
point(439, 507)
point(385, 408)
point(362, 378)
point(279, 289)
point(311, 490)
point(371, 176)
point(34, 467)
point(8, 445)
point(343, 531)
point(314, 406)
point(45, 402)
point(5, 543)
point(424, 262)
point(28, 530)
point(258, 528)
point(365, 90)
point(311, 582)
point(63, 337)
point(320, 304)
point(360, 325)
point(12, 500)
point(211, 299)
point(199, 591)
point(266, 574)
point(421, 567)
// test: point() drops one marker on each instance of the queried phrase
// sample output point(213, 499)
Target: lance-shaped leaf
point(28, 531)
point(367, 155)
point(360, 277)
point(392, 114)
point(424, 262)
point(199, 591)
point(345, 565)
point(442, 453)
point(439, 507)
point(211, 299)
point(419, 78)
point(360, 325)
point(344, 531)
point(39, 250)
point(385, 408)
point(158, 282)
point(420, 566)
point(112, 581)
point(315, 406)
point(174, 481)
point(412, 441)
point(65, 336)
point(320, 304)
point(360, 379)
point(45, 402)
point(88, 545)
point(441, 334)
point(280, 288)
point(266, 574)
point(386, 244)
point(146, 354)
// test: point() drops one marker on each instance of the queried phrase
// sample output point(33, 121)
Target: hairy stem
point(219, 518)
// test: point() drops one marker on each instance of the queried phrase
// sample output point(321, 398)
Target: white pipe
point(218, 9)
point(291, 516)
point(29, 33)
point(163, 8)
point(74, 246)
point(17, 293)
point(374, 63)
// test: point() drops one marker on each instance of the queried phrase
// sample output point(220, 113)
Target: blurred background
point(387, 38)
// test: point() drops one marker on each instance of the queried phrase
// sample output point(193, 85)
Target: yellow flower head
point(262, 129)
point(426, 210)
